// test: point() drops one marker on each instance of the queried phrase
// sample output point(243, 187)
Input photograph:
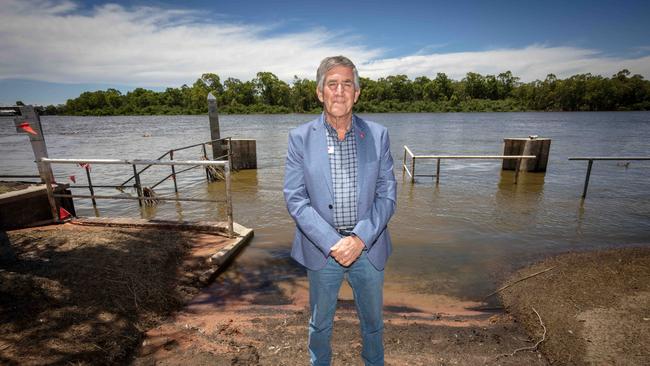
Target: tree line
point(474, 93)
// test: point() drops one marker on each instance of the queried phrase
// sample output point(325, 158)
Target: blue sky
point(54, 49)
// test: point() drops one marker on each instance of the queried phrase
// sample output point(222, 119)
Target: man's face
point(338, 94)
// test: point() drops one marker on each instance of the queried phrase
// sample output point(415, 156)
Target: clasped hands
point(347, 250)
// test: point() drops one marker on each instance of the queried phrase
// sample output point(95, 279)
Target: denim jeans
point(367, 285)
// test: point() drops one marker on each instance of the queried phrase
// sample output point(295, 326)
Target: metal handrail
point(412, 174)
point(171, 156)
point(140, 197)
point(591, 159)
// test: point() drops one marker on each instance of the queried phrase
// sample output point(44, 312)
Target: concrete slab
point(209, 241)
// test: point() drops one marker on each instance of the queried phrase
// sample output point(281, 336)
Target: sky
point(52, 50)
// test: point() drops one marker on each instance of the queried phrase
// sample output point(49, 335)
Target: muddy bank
point(595, 306)
point(83, 295)
point(260, 318)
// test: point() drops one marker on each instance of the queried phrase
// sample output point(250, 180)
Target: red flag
point(63, 213)
point(85, 166)
point(27, 128)
point(73, 179)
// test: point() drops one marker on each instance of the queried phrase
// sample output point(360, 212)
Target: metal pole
point(231, 232)
point(584, 192)
point(171, 157)
point(90, 186)
point(413, 170)
point(517, 170)
point(50, 192)
point(438, 171)
point(138, 187)
point(229, 153)
point(207, 171)
point(404, 161)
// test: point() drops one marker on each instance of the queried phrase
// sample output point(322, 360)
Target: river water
point(457, 238)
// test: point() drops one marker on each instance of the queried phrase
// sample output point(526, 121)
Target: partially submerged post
point(532, 145)
point(243, 152)
point(215, 134)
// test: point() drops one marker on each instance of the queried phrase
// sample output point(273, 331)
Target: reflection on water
point(458, 237)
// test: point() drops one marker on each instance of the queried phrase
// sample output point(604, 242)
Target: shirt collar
point(332, 131)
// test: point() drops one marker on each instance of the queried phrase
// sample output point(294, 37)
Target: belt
point(345, 232)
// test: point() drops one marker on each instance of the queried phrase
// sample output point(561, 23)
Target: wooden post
point(532, 145)
point(215, 134)
point(50, 191)
point(584, 192)
point(171, 157)
point(30, 118)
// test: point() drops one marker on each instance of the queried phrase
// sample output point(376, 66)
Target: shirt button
point(331, 207)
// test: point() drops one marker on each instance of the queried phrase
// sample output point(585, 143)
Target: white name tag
point(330, 149)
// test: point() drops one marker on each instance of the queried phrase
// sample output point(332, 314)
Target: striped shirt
point(343, 166)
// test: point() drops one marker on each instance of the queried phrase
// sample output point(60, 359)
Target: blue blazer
point(310, 197)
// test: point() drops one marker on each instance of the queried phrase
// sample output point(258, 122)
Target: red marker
point(27, 128)
point(63, 213)
point(85, 166)
point(73, 179)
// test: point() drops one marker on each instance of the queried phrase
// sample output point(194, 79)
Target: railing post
point(229, 153)
point(171, 157)
point(138, 187)
point(413, 169)
point(584, 192)
point(231, 232)
point(517, 168)
point(207, 168)
point(90, 185)
point(45, 167)
point(404, 161)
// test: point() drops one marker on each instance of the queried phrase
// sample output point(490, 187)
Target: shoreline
point(227, 324)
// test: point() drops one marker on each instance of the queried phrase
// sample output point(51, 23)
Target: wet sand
point(272, 330)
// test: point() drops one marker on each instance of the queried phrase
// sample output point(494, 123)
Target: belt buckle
point(345, 232)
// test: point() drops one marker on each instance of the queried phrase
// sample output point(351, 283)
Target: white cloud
point(529, 63)
point(55, 41)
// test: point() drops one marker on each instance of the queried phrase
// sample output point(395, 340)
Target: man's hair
point(329, 63)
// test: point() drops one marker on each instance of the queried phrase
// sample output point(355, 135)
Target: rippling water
point(458, 237)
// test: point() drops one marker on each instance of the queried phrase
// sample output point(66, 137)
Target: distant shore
point(395, 93)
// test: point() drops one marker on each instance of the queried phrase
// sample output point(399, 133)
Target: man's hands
point(347, 250)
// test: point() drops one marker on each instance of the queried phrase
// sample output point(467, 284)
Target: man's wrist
point(358, 240)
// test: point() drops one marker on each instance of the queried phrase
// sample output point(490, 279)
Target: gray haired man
point(340, 190)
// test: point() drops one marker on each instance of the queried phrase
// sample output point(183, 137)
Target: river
point(457, 238)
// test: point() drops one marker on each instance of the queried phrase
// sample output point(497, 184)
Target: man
point(340, 190)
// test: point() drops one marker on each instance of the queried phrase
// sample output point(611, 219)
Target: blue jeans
point(367, 285)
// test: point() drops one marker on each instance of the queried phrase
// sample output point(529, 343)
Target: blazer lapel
point(361, 132)
point(321, 155)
